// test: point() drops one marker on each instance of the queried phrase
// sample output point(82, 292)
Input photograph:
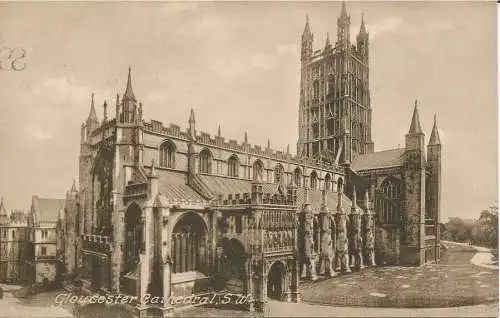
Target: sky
point(238, 66)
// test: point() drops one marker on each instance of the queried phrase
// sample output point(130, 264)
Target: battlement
point(173, 130)
point(204, 138)
point(104, 127)
point(14, 223)
point(258, 196)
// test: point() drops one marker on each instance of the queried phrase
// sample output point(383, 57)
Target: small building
point(13, 245)
point(45, 254)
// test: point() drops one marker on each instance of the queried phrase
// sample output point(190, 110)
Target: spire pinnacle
point(191, 116)
point(435, 140)
point(92, 113)
point(328, 43)
point(153, 168)
point(307, 28)
point(105, 115)
point(3, 210)
point(246, 137)
point(344, 10)
point(415, 127)
point(268, 144)
point(362, 29)
point(73, 187)
point(129, 93)
point(218, 131)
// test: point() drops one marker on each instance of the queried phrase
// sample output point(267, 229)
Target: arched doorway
point(189, 244)
point(275, 281)
point(133, 237)
point(233, 265)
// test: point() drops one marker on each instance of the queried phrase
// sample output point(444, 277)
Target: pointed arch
point(258, 170)
point(328, 182)
point(388, 201)
point(279, 174)
point(313, 180)
point(205, 164)
point(297, 177)
point(233, 166)
point(167, 154)
point(340, 184)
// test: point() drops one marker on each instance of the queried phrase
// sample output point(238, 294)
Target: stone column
point(294, 287)
point(369, 229)
point(307, 255)
point(166, 275)
point(249, 284)
point(326, 248)
point(357, 241)
point(342, 251)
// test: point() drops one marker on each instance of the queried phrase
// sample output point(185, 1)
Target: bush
point(78, 283)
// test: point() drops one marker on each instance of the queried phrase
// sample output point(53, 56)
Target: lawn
point(453, 282)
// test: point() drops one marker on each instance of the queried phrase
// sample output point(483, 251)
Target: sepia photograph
point(249, 159)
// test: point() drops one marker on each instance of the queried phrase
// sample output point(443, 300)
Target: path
point(281, 309)
point(15, 307)
point(483, 257)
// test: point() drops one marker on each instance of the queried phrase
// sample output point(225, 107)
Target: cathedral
point(171, 211)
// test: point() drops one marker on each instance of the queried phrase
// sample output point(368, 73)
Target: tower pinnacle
point(129, 93)
point(435, 140)
point(415, 127)
point(307, 28)
point(343, 10)
point(362, 28)
point(92, 113)
point(328, 44)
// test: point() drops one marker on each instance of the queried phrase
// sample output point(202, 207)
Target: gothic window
point(258, 167)
point(205, 161)
point(316, 89)
point(13, 234)
point(314, 180)
point(315, 130)
point(233, 166)
point(278, 174)
point(238, 224)
point(340, 185)
point(297, 177)
point(328, 182)
point(388, 202)
point(167, 154)
point(331, 83)
point(43, 250)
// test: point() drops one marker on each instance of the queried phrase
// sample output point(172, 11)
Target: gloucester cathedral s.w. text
point(169, 211)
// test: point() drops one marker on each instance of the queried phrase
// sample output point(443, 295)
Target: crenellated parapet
point(205, 139)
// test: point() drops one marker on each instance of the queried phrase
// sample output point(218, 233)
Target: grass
point(453, 282)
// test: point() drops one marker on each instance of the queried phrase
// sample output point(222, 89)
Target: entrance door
point(96, 272)
point(275, 281)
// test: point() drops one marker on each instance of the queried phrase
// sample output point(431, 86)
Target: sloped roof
point(224, 186)
point(315, 199)
point(377, 160)
point(46, 209)
point(173, 185)
point(3, 209)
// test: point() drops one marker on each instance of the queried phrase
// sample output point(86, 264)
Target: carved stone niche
point(165, 220)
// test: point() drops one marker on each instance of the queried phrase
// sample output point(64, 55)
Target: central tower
point(334, 107)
